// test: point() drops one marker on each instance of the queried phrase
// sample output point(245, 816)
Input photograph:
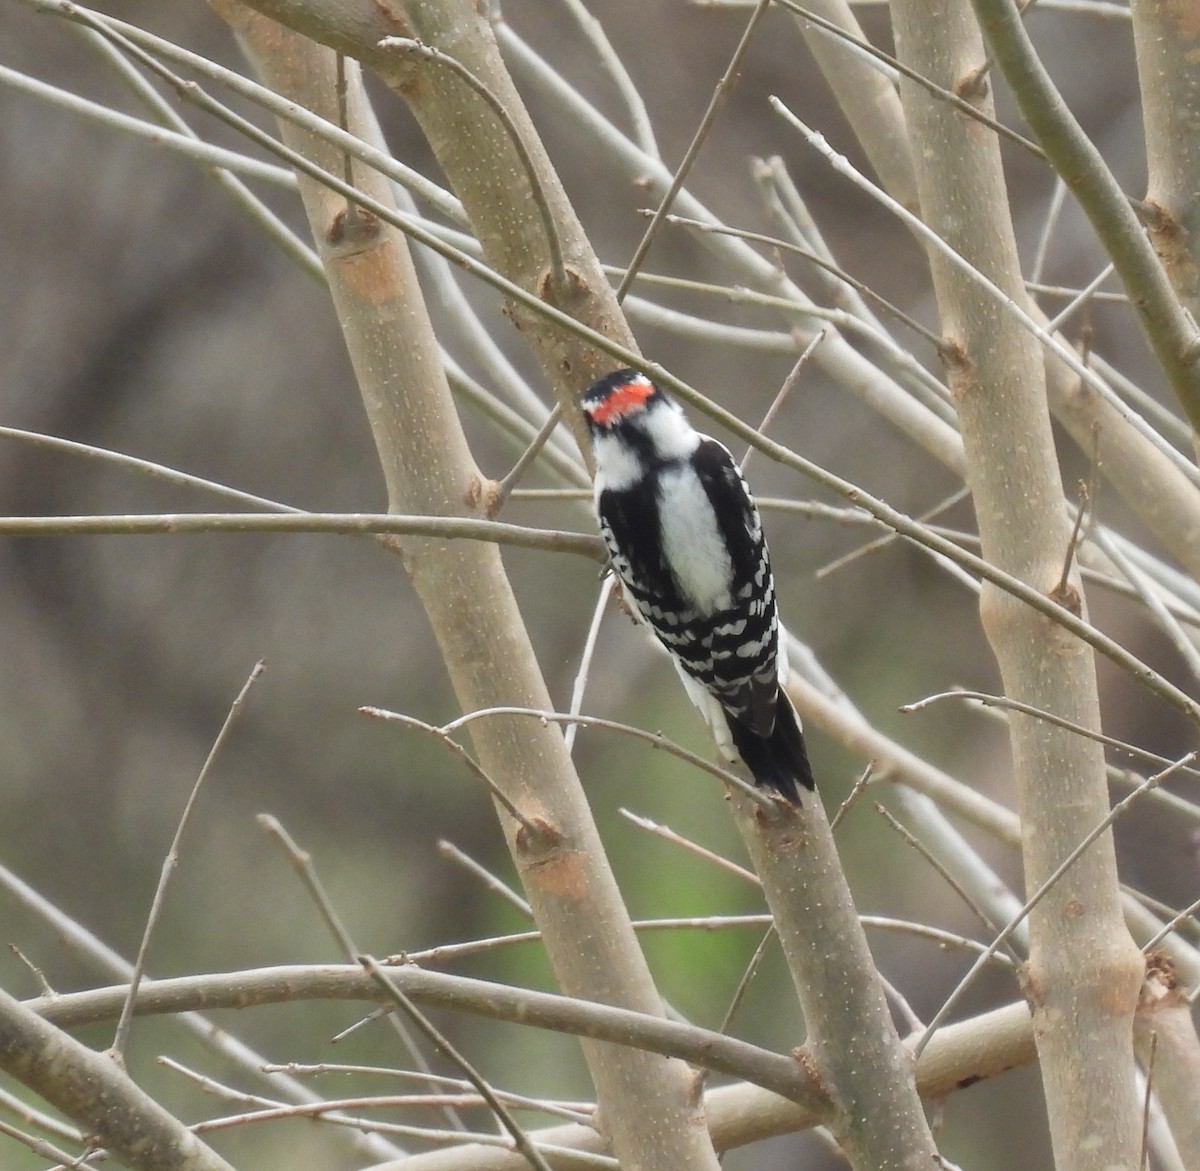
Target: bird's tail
point(778, 761)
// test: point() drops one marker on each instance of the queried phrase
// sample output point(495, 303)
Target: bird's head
point(623, 398)
point(634, 426)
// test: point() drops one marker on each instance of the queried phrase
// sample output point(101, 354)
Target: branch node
point(536, 835)
point(1155, 217)
point(804, 1060)
point(954, 356)
point(973, 86)
point(424, 52)
point(353, 229)
point(560, 292)
point(771, 808)
point(1068, 597)
point(484, 494)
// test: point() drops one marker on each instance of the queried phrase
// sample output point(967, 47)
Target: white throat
point(619, 463)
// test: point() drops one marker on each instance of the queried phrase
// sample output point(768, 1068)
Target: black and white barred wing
point(697, 572)
point(745, 637)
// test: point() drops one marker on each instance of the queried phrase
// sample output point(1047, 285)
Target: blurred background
point(140, 311)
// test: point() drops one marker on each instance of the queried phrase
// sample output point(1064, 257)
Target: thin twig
point(945, 875)
point(164, 113)
point(446, 953)
point(1144, 1158)
point(903, 1009)
point(893, 63)
point(1071, 294)
point(194, 148)
point(38, 975)
point(748, 975)
point(958, 856)
point(857, 790)
point(1145, 589)
point(657, 739)
point(454, 1138)
point(439, 1041)
point(511, 421)
point(145, 467)
point(882, 542)
point(1058, 198)
point(580, 1112)
point(925, 386)
point(430, 53)
point(491, 881)
point(607, 57)
point(504, 487)
point(451, 527)
point(132, 39)
point(1187, 913)
point(789, 384)
point(1164, 911)
point(681, 173)
point(1084, 517)
point(450, 952)
point(1117, 811)
point(329, 1110)
point(302, 863)
point(1003, 701)
point(668, 834)
point(740, 991)
point(40, 1147)
point(1082, 298)
point(785, 246)
point(29, 1114)
point(579, 686)
point(1174, 429)
point(442, 736)
point(120, 1041)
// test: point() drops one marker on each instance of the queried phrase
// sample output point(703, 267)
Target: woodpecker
point(686, 543)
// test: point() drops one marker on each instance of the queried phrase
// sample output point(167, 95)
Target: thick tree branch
point(958, 1056)
point(1164, 1021)
point(852, 1043)
point(1167, 37)
point(95, 1091)
point(1084, 969)
point(498, 198)
point(1171, 332)
point(646, 1099)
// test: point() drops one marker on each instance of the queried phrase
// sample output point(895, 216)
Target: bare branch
point(960, 1054)
point(93, 1090)
point(442, 1043)
point(464, 589)
point(1164, 1021)
point(582, 1018)
point(728, 79)
point(121, 1040)
point(851, 1042)
point(1171, 332)
point(464, 528)
point(1078, 852)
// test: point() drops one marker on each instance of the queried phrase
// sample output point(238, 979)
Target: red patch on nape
point(623, 399)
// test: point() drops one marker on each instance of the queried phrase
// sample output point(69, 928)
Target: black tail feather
point(778, 761)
